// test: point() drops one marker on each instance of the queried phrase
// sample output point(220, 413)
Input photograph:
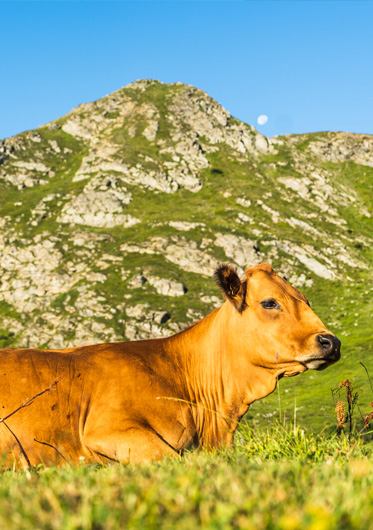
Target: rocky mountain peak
point(114, 216)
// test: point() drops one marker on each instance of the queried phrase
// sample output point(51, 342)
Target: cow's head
point(272, 324)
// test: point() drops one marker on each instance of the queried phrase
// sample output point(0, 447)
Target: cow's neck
point(218, 381)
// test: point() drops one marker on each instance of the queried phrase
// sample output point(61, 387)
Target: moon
point(262, 119)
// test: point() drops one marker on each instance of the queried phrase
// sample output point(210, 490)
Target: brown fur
point(138, 401)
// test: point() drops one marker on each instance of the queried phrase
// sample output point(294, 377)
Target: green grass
point(6, 338)
point(283, 478)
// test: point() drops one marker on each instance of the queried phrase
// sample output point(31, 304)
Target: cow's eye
point(270, 304)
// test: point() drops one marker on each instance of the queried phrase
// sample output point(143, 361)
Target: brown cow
point(138, 401)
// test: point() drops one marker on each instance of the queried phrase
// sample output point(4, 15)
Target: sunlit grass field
point(281, 478)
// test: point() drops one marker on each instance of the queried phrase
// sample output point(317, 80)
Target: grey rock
point(137, 281)
point(167, 287)
point(103, 209)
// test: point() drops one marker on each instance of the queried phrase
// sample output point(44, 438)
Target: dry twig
point(28, 401)
point(24, 404)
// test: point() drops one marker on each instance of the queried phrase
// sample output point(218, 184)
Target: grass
point(283, 478)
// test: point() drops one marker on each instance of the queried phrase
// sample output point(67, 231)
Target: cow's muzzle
point(330, 349)
point(329, 352)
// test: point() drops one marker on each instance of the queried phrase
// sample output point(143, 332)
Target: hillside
point(114, 217)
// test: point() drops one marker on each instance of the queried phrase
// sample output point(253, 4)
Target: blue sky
point(307, 65)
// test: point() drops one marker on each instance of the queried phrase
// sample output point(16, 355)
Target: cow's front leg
point(130, 446)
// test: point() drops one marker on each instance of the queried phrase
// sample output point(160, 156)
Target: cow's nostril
point(329, 344)
point(325, 343)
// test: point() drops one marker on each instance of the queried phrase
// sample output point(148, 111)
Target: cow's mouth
point(319, 363)
point(327, 353)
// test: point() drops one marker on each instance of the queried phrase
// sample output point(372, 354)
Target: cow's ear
point(231, 286)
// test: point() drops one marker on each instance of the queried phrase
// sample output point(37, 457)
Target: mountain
point(114, 217)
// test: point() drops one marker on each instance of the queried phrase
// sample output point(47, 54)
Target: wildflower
point(340, 410)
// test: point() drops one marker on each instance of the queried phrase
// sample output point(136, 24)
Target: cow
point(142, 400)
